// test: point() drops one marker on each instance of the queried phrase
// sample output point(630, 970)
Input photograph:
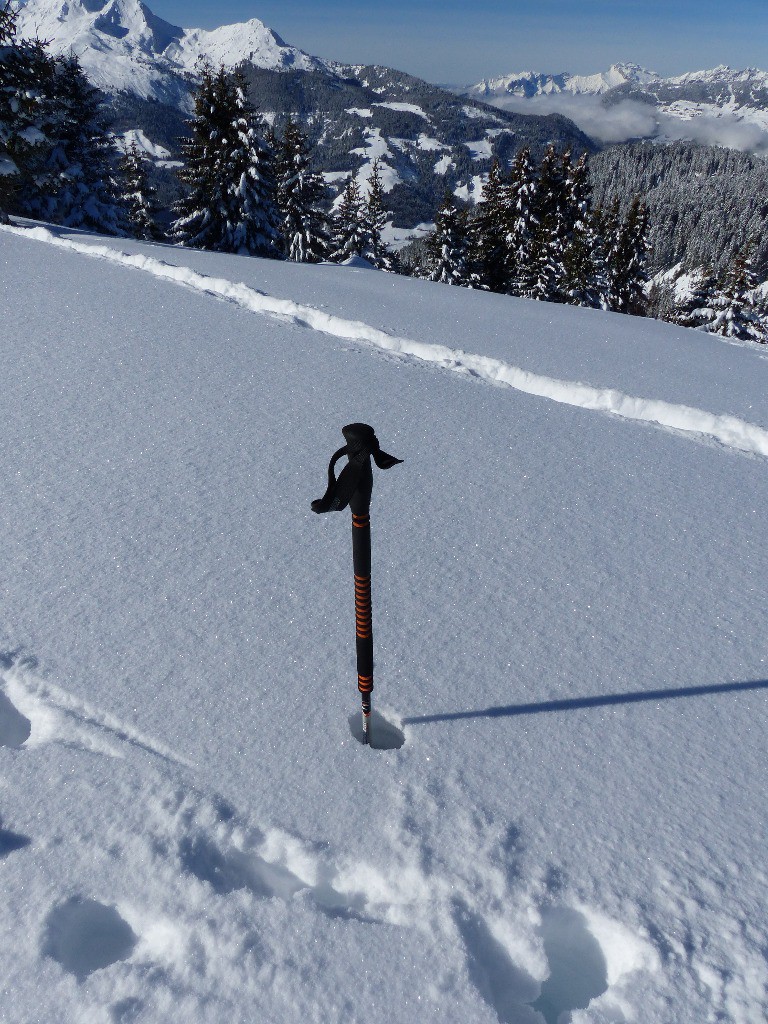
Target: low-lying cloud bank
point(631, 119)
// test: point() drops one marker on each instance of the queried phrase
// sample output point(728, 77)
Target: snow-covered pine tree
point(737, 314)
point(583, 258)
point(698, 308)
point(350, 228)
point(449, 245)
point(520, 205)
point(230, 205)
point(197, 223)
point(76, 186)
point(488, 234)
point(627, 259)
point(25, 74)
point(252, 194)
point(300, 195)
point(546, 274)
point(376, 217)
point(139, 196)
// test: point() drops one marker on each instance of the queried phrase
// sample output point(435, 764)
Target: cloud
point(723, 130)
point(618, 123)
point(630, 119)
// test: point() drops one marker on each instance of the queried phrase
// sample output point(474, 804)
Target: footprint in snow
point(126, 1010)
point(15, 728)
point(10, 842)
point(228, 869)
point(232, 869)
point(83, 936)
point(577, 968)
point(504, 986)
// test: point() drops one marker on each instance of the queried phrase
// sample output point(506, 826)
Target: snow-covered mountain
point(533, 83)
point(717, 106)
point(124, 46)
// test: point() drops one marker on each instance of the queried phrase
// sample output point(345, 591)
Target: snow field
point(185, 922)
point(182, 791)
point(728, 430)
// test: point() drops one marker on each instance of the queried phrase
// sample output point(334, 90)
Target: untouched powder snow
point(728, 430)
point(564, 814)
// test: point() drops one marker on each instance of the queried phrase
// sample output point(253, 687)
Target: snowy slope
point(569, 619)
point(124, 46)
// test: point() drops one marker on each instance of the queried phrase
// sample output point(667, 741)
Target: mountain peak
point(123, 44)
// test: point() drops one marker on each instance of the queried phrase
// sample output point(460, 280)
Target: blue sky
point(458, 41)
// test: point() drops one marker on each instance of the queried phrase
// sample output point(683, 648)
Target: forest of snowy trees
point(249, 188)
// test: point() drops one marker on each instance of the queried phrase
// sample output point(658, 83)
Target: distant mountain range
point(720, 106)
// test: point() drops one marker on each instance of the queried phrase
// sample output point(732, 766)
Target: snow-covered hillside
point(564, 813)
point(124, 46)
point(721, 105)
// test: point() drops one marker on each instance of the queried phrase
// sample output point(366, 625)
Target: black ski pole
point(354, 488)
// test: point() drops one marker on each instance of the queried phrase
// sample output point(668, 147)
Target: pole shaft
point(361, 558)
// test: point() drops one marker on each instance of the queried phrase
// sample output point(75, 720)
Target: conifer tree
point(546, 273)
point(376, 251)
point(698, 309)
point(25, 74)
point(449, 245)
point(230, 205)
point(300, 195)
point(520, 194)
point(489, 230)
point(76, 185)
point(738, 314)
point(584, 281)
point(627, 257)
point(350, 230)
point(139, 197)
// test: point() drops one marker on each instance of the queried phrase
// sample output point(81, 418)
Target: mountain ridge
point(716, 106)
point(531, 83)
point(124, 46)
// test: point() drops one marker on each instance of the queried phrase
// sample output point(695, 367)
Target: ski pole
point(354, 487)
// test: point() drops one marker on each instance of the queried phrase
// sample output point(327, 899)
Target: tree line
point(537, 235)
point(730, 304)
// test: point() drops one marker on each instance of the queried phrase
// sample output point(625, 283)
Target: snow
point(428, 145)
point(410, 108)
point(472, 190)
point(360, 111)
point(477, 114)
point(565, 814)
point(480, 149)
point(123, 45)
point(376, 148)
point(396, 238)
point(443, 165)
point(136, 137)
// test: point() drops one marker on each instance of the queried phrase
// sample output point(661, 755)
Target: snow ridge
point(730, 431)
point(123, 45)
